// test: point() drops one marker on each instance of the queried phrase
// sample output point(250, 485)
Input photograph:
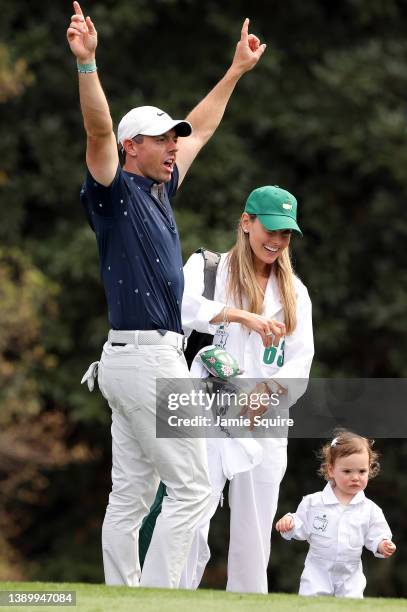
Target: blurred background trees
point(323, 114)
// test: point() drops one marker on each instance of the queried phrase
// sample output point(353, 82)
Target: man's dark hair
point(122, 153)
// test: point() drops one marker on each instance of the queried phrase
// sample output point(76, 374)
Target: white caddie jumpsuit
point(253, 493)
point(337, 533)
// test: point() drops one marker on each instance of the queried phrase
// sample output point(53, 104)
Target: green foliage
point(323, 115)
point(26, 298)
point(13, 75)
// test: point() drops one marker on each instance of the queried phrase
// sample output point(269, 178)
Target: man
point(141, 267)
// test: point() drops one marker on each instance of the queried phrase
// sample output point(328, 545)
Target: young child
point(338, 521)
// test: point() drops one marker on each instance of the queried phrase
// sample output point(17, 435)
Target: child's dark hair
point(347, 443)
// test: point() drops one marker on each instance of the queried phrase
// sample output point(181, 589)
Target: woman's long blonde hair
point(243, 287)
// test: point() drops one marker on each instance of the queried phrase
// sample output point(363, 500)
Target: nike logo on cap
point(160, 114)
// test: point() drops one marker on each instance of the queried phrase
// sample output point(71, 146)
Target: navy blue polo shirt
point(139, 250)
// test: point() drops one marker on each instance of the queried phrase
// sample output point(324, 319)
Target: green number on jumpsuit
point(270, 353)
point(280, 359)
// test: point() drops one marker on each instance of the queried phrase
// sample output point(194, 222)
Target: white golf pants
point(127, 379)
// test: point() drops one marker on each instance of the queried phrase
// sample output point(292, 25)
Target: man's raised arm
point(207, 115)
point(101, 151)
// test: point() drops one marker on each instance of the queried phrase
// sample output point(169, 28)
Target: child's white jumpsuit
point(336, 534)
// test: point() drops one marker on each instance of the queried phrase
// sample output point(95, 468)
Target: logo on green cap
point(275, 208)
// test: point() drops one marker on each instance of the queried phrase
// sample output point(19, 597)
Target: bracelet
point(86, 68)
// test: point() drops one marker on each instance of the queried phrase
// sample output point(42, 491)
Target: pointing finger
point(77, 8)
point(245, 29)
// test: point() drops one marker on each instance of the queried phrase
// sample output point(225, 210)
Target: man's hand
point(207, 115)
point(285, 524)
point(102, 157)
point(386, 548)
point(82, 36)
point(248, 51)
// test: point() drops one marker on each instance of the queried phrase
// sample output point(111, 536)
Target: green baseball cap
point(275, 208)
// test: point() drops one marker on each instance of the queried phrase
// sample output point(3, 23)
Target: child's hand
point(287, 523)
point(386, 548)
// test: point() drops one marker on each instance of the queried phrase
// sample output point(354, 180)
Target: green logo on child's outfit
point(274, 354)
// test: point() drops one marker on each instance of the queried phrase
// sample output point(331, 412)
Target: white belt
point(152, 337)
point(137, 337)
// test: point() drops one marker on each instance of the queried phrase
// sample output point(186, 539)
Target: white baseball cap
point(150, 121)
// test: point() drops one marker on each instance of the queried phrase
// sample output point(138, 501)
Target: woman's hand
point(270, 330)
point(258, 404)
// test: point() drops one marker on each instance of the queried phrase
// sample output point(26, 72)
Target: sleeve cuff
point(207, 309)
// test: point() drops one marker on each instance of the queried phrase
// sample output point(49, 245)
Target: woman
point(257, 299)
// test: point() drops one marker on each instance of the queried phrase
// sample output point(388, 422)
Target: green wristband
point(86, 68)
